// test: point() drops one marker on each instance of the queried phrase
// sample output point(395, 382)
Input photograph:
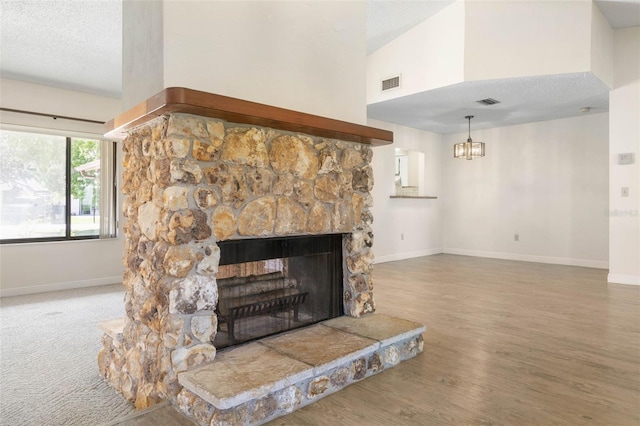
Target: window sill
point(13, 243)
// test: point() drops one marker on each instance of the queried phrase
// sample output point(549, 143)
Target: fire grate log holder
point(283, 300)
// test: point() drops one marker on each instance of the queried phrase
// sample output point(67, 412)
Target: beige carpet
point(48, 349)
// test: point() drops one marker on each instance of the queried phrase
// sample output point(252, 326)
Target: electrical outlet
point(624, 191)
point(516, 237)
point(401, 237)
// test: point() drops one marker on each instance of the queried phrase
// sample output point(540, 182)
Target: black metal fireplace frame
point(250, 250)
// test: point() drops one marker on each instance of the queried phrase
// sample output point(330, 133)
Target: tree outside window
point(50, 187)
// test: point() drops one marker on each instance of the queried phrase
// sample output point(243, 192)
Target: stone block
point(174, 198)
point(224, 222)
point(291, 217)
point(319, 220)
point(177, 147)
point(318, 386)
point(246, 146)
point(208, 265)
point(329, 162)
point(185, 171)
point(303, 192)
point(363, 179)
point(148, 215)
point(340, 377)
point(259, 182)
point(186, 125)
point(289, 154)
point(215, 129)
point(192, 294)
point(206, 151)
point(203, 327)
point(326, 189)
point(358, 369)
point(351, 159)
point(263, 408)
point(185, 226)
point(258, 217)
point(283, 185)
point(183, 358)
point(179, 260)
point(206, 198)
point(374, 364)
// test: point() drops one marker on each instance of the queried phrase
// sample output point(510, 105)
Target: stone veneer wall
point(191, 181)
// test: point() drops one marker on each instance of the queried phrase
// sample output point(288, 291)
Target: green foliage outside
point(84, 151)
point(33, 162)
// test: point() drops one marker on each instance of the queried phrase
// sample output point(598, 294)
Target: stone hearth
point(200, 169)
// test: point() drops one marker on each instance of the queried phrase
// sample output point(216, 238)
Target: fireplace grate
point(281, 303)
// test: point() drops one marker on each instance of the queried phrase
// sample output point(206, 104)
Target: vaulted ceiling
point(77, 45)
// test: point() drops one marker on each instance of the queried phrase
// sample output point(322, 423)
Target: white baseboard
point(19, 291)
point(530, 258)
point(623, 279)
point(406, 255)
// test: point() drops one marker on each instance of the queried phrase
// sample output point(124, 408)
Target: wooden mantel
point(188, 101)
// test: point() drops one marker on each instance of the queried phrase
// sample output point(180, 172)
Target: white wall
point(624, 137)
point(506, 39)
point(38, 267)
point(420, 220)
point(428, 56)
point(545, 181)
point(602, 38)
point(142, 51)
point(305, 56)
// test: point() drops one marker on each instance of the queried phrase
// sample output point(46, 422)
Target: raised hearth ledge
point(189, 101)
point(283, 373)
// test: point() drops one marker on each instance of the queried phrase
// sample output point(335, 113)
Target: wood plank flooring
point(507, 343)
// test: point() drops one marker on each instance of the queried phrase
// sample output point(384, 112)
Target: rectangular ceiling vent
point(391, 83)
point(488, 101)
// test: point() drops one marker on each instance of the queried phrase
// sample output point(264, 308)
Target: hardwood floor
point(507, 343)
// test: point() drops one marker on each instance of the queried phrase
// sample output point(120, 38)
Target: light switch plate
point(624, 191)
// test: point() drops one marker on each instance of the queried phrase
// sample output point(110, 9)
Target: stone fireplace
point(211, 185)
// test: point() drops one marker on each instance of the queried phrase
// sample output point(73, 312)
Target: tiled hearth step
point(259, 381)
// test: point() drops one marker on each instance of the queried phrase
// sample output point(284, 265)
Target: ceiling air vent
point(391, 83)
point(488, 101)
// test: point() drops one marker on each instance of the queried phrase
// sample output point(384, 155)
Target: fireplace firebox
point(267, 286)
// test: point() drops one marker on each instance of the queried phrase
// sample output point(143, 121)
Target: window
point(55, 188)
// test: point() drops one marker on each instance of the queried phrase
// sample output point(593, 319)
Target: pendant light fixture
point(468, 150)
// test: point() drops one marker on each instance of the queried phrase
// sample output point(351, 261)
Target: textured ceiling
point(387, 19)
point(71, 44)
point(522, 100)
point(77, 44)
